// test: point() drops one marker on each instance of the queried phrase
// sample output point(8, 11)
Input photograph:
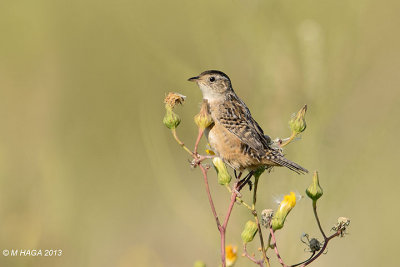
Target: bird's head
point(214, 84)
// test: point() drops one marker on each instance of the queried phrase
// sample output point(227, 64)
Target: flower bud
point(231, 255)
point(287, 204)
point(203, 118)
point(298, 123)
point(171, 119)
point(199, 264)
point(249, 231)
point(224, 177)
point(314, 191)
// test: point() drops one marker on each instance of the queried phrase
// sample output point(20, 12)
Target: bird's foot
point(238, 194)
point(198, 159)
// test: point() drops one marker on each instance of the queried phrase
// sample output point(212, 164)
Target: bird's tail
point(280, 160)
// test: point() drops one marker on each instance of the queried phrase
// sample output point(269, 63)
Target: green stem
point(289, 140)
point(180, 142)
point(317, 219)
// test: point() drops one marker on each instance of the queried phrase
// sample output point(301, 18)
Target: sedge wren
point(234, 135)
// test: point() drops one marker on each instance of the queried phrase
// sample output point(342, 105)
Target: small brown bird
point(235, 136)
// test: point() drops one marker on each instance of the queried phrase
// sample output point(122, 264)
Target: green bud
point(249, 231)
point(199, 264)
point(203, 118)
point(286, 205)
point(298, 123)
point(171, 119)
point(314, 191)
point(224, 177)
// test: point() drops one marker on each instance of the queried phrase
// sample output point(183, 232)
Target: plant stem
point(256, 178)
point(290, 139)
point(222, 229)
point(326, 239)
point(203, 170)
point(238, 199)
point(314, 204)
point(276, 248)
point(201, 131)
point(323, 248)
point(180, 142)
point(260, 262)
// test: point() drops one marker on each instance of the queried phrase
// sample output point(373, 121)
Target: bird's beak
point(193, 79)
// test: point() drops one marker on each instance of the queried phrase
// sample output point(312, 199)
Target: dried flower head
point(313, 244)
point(341, 225)
point(266, 216)
point(171, 119)
point(173, 99)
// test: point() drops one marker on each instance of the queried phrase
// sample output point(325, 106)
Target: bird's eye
point(212, 79)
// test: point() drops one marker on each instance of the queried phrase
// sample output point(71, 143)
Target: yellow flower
point(289, 201)
point(286, 205)
point(231, 255)
point(209, 151)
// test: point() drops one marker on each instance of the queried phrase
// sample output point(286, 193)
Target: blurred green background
point(87, 166)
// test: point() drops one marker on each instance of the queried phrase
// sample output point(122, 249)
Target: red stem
point(201, 131)
point(322, 249)
point(261, 262)
point(276, 248)
point(222, 229)
point(203, 170)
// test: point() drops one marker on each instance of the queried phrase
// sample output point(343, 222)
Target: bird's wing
point(234, 115)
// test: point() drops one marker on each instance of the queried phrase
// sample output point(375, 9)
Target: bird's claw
point(198, 159)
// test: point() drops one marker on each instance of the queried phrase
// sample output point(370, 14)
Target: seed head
point(266, 216)
point(173, 99)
